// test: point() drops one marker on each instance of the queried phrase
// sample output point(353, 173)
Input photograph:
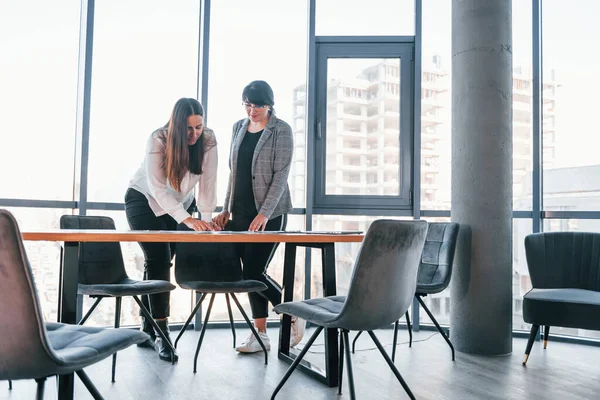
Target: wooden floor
point(563, 371)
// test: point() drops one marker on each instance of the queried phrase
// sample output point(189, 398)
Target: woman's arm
point(157, 181)
point(284, 149)
point(207, 186)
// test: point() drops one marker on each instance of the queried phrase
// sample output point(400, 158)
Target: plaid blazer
point(270, 167)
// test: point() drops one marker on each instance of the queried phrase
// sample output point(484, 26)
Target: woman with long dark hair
point(179, 156)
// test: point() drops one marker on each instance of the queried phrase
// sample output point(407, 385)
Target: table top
point(105, 235)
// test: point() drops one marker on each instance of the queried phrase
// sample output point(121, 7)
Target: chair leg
point(546, 335)
point(408, 325)
point(297, 361)
point(354, 341)
point(341, 363)
point(203, 331)
point(260, 342)
point(439, 328)
point(187, 323)
point(157, 329)
point(117, 324)
point(89, 385)
point(532, 334)
point(9, 385)
point(92, 308)
point(391, 364)
point(394, 341)
point(349, 362)
point(39, 394)
point(230, 318)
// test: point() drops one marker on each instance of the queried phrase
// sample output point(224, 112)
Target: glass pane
point(145, 59)
point(521, 281)
point(363, 127)
point(242, 49)
point(44, 257)
point(356, 17)
point(522, 105)
point(435, 106)
point(570, 134)
point(39, 42)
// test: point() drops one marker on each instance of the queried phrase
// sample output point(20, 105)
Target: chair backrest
point(384, 278)
point(564, 260)
point(24, 349)
point(209, 262)
point(99, 262)
point(437, 258)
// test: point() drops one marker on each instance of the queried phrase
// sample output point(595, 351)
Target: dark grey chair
point(381, 289)
point(212, 268)
point(102, 274)
point(434, 276)
point(32, 349)
point(565, 275)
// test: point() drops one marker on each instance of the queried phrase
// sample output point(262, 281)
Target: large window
point(570, 136)
point(145, 58)
point(39, 43)
point(251, 41)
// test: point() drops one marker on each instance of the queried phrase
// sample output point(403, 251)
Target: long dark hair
point(181, 157)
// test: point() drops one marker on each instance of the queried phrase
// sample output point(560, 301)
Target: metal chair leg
point(354, 341)
point(394, 341)
point(92, 308)
point(341, 363)
point(187, 323)
point(296, 361)
point(532, 334)
point(89, 385)
point(349, 362)
point(439, 328)
point(117, 324)
point(203, 331)
point(392, 366)
point(409, 330)
point(230, 318)
point(256, 335)
point(39, 394)
point(157, 329)
point(546, 335)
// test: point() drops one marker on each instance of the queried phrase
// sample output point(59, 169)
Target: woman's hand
point(198, 224)
point(221, 219)
point(259, 223)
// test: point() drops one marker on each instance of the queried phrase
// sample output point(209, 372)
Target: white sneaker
point(251, 345)
point(297, 332)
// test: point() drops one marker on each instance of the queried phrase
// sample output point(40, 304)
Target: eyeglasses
point(251, 106)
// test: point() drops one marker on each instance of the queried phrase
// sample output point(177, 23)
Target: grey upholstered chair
point(102, 273)
point(434, 275)
point(565, 275)
point(212, 268)
point(381, 289)
point(32, 349)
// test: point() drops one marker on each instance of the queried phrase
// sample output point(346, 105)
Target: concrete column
point(481, 288)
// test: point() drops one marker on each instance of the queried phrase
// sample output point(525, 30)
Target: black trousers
point(157, 256)
point(255, 261)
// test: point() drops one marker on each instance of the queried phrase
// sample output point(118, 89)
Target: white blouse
point(151, 180)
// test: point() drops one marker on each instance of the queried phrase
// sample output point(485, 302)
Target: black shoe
point(147, 329)
point(163, 349)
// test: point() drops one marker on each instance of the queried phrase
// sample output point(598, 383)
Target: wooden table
point(69, 274)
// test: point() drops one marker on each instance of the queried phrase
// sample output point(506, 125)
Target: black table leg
point(67, 306)
point(289, 274)
point(331, 338)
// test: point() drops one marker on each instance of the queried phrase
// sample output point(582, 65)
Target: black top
point(243, 196)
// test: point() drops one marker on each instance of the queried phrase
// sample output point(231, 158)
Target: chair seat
point(322, 311)
point(126, 287)
point(242, 286)
point(77, 346)
point(569, 308)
